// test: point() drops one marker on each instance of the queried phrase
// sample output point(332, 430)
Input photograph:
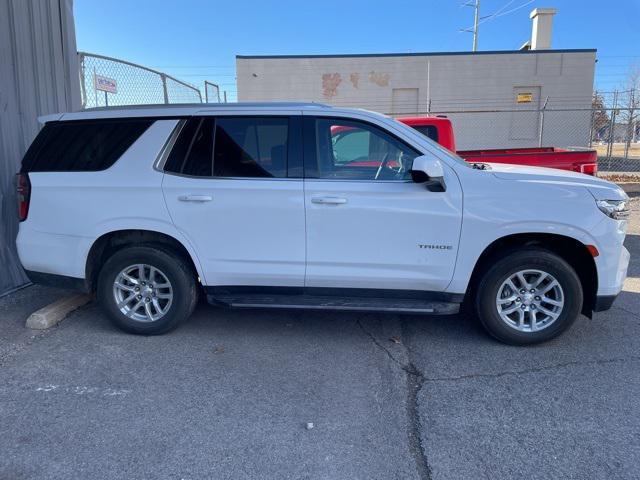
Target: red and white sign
point(105, 84)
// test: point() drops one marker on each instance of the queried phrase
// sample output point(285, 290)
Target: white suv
point(267, 205)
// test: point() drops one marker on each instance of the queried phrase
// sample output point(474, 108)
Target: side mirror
point(428, 169)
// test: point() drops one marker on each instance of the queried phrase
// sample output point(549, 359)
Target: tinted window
point(85, 146)
point(199, 159)
point(429, 130)
point(251, 147)
point(347, 149)
point(181, 147)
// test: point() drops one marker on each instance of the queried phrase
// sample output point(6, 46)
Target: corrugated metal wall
point(38, 75)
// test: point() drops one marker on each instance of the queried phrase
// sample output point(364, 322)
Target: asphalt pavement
point(253, 394)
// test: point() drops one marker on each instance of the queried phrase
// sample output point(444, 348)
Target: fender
point(470, 252)
point(150, 225)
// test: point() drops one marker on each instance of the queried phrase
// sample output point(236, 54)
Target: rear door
point(230, 187)
point(368, 224)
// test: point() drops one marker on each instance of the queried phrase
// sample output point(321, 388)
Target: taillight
point(589, 168)
point(24, 195)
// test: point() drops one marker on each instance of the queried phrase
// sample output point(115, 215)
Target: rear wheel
point(528, 296)
point(147, 290)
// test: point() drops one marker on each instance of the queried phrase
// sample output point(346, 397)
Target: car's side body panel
point(395, 234)
point(496, 207)
point(69, 211)
point(251, 232)
point(257, 232)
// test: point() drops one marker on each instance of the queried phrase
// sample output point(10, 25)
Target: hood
point(599, 188)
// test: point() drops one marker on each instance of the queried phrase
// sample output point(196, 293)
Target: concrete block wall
point(404, 84)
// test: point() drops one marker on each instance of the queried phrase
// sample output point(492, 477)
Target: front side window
point(352, 150)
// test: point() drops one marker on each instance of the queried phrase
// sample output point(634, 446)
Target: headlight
point(616, 209)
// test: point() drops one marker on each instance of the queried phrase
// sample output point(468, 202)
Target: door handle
point(329, 200)
point(195, 198)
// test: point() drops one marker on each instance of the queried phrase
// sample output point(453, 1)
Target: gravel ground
point(230, 394)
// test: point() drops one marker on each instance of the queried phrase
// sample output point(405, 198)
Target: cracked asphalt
point(229, 395)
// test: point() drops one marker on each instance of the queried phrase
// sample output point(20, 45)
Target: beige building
point(501, 92)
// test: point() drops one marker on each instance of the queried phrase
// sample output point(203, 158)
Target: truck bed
point(582, 161)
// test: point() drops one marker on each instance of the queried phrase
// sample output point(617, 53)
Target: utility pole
point(475, 25)
point(476, 22)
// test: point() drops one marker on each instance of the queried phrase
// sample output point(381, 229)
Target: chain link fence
point(611, 125)
point(613, 132)
point(106, 81)
point(211, 92)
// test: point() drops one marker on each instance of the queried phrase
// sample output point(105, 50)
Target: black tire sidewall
point(179, 275)
point(535, 259)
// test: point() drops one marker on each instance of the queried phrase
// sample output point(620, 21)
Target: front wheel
point(147, 290)
point(528, 296)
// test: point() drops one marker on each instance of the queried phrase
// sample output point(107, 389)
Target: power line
point(500, 14)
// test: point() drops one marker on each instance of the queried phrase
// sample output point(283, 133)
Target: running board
point(318, 302)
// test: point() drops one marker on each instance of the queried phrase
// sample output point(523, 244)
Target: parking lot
point(290, 394)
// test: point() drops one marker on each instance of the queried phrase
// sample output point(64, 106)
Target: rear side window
point(251, 147)
point(87, 146)
point(246, 147)
point(192, 153)
point(428, 130)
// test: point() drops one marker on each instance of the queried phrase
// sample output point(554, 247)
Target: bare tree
point(630, 112)
point(600, 119)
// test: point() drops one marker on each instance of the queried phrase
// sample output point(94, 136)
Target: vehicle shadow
point(421, 334)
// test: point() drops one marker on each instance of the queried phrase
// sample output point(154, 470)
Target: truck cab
point(440, 130)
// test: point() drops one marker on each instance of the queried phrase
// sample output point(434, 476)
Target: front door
point(368, 225)
point(227, 189)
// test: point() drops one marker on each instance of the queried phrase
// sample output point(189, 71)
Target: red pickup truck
point(440, 130)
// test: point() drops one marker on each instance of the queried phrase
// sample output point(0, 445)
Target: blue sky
point(196, 40)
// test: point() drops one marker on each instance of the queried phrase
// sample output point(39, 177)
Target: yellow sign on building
point(524, 98)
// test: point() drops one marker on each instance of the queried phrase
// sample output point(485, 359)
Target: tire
point(168, 305)
point(513, 326)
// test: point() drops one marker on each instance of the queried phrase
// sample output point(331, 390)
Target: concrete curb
point(55, 312)
point(632, 189)
point(629, 183)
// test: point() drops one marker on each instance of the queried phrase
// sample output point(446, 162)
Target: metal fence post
point(612, 127)
point(629, 136)
point(593, 118)
point(546, 101)
point(83, 89)
point(164, 87)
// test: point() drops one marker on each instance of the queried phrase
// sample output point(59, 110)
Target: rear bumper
point(604, 302)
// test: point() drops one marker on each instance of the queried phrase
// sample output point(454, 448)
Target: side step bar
point(322, 302)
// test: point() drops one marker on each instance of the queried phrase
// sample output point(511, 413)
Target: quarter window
point(353, 150)
point(82, 146)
